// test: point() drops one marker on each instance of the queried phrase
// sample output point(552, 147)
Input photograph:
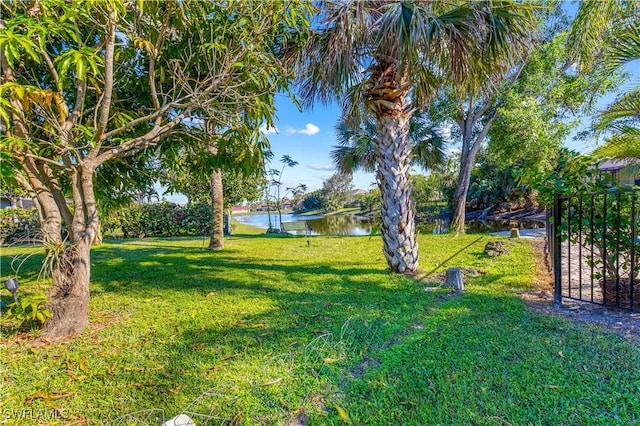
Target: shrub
point(18, 224)
point(29, 312)
point(161, 220)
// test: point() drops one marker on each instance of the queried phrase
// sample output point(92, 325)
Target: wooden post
point(453, 279)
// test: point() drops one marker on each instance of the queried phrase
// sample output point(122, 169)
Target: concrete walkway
point(524, 233)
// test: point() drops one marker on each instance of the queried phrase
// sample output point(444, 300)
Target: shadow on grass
point(464, 360)
point(268, 333)
point(486, 359)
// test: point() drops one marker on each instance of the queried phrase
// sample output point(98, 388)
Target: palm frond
point(624, 144)
point(595, 26)
point(352, 105)
point(426, 42)
point(356, 145)
point(477, 42)
point(332, 59)
point(626, 46)
point(626, 108)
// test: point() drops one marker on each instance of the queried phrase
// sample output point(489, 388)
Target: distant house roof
point(25, 203)
point(240, 208)
point(618, 164)
point(358, 191)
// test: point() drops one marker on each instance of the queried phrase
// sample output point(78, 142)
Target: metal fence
point(593, 244)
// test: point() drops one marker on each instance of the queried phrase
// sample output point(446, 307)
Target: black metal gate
point(593, 243)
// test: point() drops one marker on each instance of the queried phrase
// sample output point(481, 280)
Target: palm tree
point(609, 32)
point(622, 118)
point(389, 58)
point(356, 146)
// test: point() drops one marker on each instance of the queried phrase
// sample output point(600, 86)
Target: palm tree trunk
point(398, 224)
point(217, 212)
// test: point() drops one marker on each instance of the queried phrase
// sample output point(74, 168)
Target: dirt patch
point(359, 370)
point(625, 323)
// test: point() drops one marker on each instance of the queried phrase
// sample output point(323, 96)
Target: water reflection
point(353, 225)
point(339, 225)
point(441, 226)
point(317, 225)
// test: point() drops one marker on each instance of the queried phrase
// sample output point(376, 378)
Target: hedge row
point(134, 221)
point(163, 219)
point(18, 225)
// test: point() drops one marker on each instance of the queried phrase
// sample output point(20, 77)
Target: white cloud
point(309, 130)
point(269, 130)
point(323, 167)
point(322, 177)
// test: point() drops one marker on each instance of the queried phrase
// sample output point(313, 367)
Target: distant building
point(356, 192)
point(615, 169)
point(239, 209)
point(25, 203)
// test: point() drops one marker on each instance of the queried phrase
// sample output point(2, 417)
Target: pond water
point(352, 225)
point(318, 224)
point(440, 226)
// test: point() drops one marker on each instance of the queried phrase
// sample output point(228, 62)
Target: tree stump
point(515, 233)
point(453, 279)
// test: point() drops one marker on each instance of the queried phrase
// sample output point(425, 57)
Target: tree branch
point(105, 105)
point(54, 187)
point(142, 142)
point(152, 64)
point(77, 108)
point(154, 115)
point(483, 134)
point(52, 68)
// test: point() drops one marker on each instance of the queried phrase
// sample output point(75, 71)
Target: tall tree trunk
point(470, 149)
point(217, 212)
point(458, 214)
point(68, 298)
point(268, 212)
point(398, 223)
point(279, 207)
point(69, 295)
point(227, 222)
point(97, 240)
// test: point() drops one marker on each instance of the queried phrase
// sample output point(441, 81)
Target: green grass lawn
point(276, 330)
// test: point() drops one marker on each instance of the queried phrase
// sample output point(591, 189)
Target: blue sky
point(308, 137)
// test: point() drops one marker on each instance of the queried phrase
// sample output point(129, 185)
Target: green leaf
point(11, 54)
point(81, 68)
point(4, 114)
point(64, 66)
point(28, 46)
